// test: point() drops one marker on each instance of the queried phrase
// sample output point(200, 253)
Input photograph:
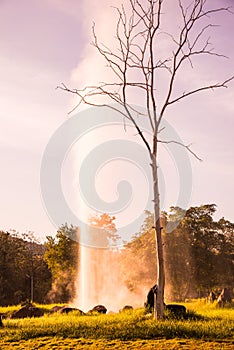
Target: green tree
point(200, 226)
point(177, 257)
point(198, 253)
point(23, 272)
point(38, 276)
point(224, 254)
point(61, 255)
point(7, 276)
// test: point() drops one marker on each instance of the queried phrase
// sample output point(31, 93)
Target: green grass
point(9, 309)
point(124, 330)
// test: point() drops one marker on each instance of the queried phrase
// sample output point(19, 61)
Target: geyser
point(99, 279)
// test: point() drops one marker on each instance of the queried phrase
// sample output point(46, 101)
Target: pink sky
point(44, 43)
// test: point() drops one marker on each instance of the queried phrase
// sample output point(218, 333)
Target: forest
point(198, 251)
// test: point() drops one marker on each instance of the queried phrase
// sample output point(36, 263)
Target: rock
point(68, 309)
point(65, 309)
point(176, 310)
point(56, 308)
point(100, 309)
point(126, 308)
point(27, 311)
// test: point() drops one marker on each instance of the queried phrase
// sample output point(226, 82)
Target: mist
point(101, 282)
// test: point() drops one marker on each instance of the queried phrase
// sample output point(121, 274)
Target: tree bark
point(159, 305)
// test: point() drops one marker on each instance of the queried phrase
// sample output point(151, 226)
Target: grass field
point(207, 328)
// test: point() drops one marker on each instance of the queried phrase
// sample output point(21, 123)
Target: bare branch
point(183, 145)
point(136, 38)
point(186, 49)
point(210, 87)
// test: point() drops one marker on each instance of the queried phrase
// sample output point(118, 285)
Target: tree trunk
point(159, 307)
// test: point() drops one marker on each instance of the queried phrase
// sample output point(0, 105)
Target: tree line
point(199, 253)
point(199, 257)
point(31, 271)
point(24, 274)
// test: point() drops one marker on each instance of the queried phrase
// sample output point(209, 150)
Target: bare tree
point(136, 63)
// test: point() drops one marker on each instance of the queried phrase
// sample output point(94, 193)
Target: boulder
point(27, 311)
point(176, 310)
point(68, 309)
point(56, 308)
point(126, 308)
point(100, 309)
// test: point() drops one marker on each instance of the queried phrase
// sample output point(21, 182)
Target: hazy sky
point(44, 43)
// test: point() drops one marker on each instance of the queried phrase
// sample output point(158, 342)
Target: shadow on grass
point(188, 315)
